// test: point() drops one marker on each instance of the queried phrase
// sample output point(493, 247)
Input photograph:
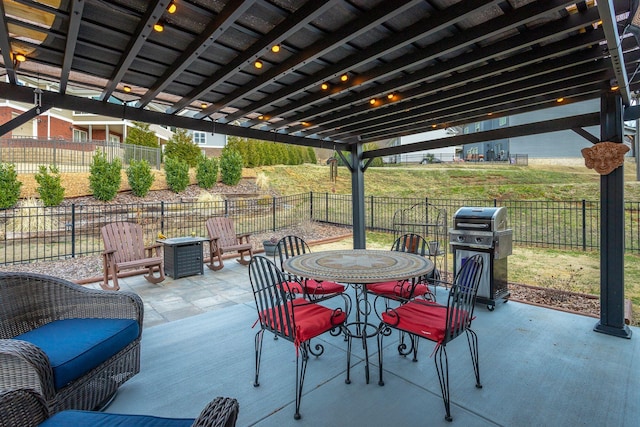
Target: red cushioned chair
point(297, 320)
point(404, 290)
point(440, 323)
point(310, 289)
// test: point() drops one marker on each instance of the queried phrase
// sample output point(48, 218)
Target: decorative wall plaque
point(604, 157)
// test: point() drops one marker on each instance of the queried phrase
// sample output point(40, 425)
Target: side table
point(183, 256)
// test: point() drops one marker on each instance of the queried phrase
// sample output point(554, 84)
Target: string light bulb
point(127, 89)
point(158, 27)
point(344, 77)
point(172, 8)
point(324, 86)
point(258, 64)
point(391, 96)
point(559, 100)
point(275, 48)
point(373, 101)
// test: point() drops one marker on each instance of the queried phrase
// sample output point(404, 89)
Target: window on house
point(199, 137)
point(80, 135)
point(114, 138)
point(502, 121)
point(478, 127)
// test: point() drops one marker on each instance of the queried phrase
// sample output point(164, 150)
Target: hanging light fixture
point(159, 27)
point(172, 8)
point(258, 64)
point(127, 89)
point(19, 57)
point(344, 77)
point(275, 48)
point(324, 86)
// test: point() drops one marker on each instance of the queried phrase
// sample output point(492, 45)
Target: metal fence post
point(273, 213)
point(326, 207)
point(584, 225)
point(73, 230)
point(311, 205)
point(162, 216)
point(226, 207)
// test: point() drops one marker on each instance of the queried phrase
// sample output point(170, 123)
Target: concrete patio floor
point(538, 367)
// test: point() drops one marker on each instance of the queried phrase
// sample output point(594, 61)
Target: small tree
point(50, 187)
point(140, 177)
point(141, 134)
point(104, 178)
point(9, 186)
point(207, 172)
point(230, 166)
point(181, 146)
point(177, 172)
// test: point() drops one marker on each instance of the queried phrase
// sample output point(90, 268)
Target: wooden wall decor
point(604, 157)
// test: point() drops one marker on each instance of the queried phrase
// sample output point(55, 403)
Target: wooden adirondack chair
point(223, 239)
point(124, 250)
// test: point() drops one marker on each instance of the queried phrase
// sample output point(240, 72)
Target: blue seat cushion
point(73, 418)
point(75, 346)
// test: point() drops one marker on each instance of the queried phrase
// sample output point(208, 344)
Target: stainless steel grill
point(484, 230)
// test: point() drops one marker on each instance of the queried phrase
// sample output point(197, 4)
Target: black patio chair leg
point(258, 347)
point(383, 331)
point(472, 339)
point(301, 369)
point(348, 379)
point(442, 368)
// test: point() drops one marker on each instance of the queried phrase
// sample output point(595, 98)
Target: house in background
point(437, 155)
point(564, 144)
point(211, 143)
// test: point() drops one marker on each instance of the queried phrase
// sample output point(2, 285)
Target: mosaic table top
point(358, 265)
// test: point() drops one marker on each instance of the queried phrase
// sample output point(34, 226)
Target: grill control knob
point(460, 238)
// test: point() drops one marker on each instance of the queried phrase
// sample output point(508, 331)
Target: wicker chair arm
point(24, 365)
point(20, 407)
point(57, 299)
point(220, 412)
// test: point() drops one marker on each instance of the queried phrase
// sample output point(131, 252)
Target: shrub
point(181, 146)
point(230, 166)
point(140, 177)
point(207, 172)
point(141, 134)
point(50, 188)
point(104, 178)
point(9, 186)
point(177, 172)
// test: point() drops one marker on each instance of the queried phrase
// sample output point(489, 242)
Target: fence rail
point(30, 234)
point(27, 154)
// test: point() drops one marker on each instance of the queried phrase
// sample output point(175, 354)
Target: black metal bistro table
point(359, 267)
point(183, 256)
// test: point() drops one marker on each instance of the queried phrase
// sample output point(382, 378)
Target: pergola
point(339, 73)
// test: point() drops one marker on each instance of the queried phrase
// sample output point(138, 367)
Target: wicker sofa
point(27, 408)
point(75, 346)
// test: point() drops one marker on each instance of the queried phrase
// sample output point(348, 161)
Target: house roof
point(410, 65)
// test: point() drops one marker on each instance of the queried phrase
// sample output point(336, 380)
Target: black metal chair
point(440, 323)
point(405, 290)
point(297, 320)
point(311, 289)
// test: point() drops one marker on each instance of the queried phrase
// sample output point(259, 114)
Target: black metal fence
point(27, 154)
point(36, 233)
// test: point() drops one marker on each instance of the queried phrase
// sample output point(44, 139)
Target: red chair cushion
point(313, 287)
point(397, 289)
point(311, 319)
point(425, 319)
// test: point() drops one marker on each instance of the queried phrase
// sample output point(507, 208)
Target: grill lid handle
point(473, 225)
